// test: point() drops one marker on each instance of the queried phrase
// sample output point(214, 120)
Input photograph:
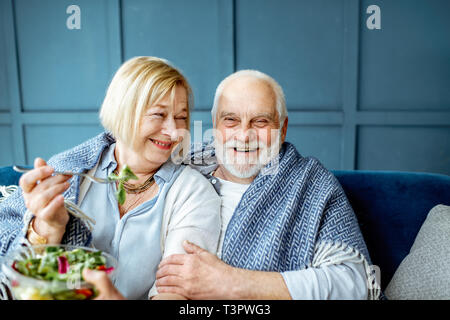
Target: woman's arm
point(192, 213)
point(193, 208)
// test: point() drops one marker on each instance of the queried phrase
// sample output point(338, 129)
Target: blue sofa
point(390, 207)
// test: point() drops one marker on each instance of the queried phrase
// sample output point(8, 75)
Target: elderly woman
point(146, 116)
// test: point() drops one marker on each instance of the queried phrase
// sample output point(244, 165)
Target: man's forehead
point(248, 87)
point(247, 95)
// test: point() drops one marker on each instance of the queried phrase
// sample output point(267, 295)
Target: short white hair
point(277, 90)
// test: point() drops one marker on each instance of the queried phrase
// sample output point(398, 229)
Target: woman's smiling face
point(163, 126)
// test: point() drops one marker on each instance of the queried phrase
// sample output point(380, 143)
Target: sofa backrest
point(391, 207)
point(8, 176)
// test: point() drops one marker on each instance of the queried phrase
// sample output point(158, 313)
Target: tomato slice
point(101, 268)
point(86, 292)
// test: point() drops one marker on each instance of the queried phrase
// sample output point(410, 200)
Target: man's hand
point(100, 280)
point(168, 296)
point(196, 275)
point(201, 275)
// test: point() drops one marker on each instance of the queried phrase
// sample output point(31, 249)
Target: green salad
point(60, 268)
point(124, 175)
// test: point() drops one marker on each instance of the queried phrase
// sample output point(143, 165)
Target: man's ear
point(284, 130)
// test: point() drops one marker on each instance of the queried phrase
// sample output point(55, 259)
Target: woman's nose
point(170, 129)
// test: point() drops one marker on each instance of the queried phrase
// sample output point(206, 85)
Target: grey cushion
point(425, 271)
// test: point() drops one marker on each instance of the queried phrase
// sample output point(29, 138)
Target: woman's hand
point(43, 197)
point(101, 281)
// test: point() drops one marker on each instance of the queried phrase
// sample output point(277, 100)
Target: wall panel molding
point(114, 19)
point(13, 89)
point(403, 118)
point(350, 83)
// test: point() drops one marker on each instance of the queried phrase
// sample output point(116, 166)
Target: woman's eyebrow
point(162, 105)
point(183, 110)
point(159, 105)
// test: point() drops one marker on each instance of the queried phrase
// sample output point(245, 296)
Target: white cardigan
point(191, 212)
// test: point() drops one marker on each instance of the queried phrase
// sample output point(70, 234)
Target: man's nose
point(245, 134)
point(170, 129)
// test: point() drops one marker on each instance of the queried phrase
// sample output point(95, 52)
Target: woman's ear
point(284, 130)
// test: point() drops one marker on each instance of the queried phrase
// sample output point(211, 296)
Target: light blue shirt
point(134, 239)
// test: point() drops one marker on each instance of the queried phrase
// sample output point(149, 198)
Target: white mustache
point(240, 145)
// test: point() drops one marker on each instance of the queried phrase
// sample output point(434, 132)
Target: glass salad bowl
point(54, 272)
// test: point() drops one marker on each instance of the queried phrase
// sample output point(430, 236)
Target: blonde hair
point(138, 84)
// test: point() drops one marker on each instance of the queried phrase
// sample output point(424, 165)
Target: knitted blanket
point(282, 217)
point(293, 216)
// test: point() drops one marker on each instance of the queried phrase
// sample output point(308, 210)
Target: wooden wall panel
point(61, 68)
point(406, 65)
point(322, 142)
point(299, 43)
point(6, 154)
point(357, 98)
point(404, 148)
point(47, 140)
point(195, 36)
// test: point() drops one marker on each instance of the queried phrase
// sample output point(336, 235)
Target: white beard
point(239, 166)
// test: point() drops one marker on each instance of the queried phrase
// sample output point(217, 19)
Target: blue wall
point(357, 98)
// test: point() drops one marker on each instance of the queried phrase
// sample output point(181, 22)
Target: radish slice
point(63, 264)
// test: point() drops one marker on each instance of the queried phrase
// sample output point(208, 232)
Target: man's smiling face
point(247, 126)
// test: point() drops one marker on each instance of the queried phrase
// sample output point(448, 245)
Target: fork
point(68, 173)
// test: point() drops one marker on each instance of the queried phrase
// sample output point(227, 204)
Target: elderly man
point(288, 230)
